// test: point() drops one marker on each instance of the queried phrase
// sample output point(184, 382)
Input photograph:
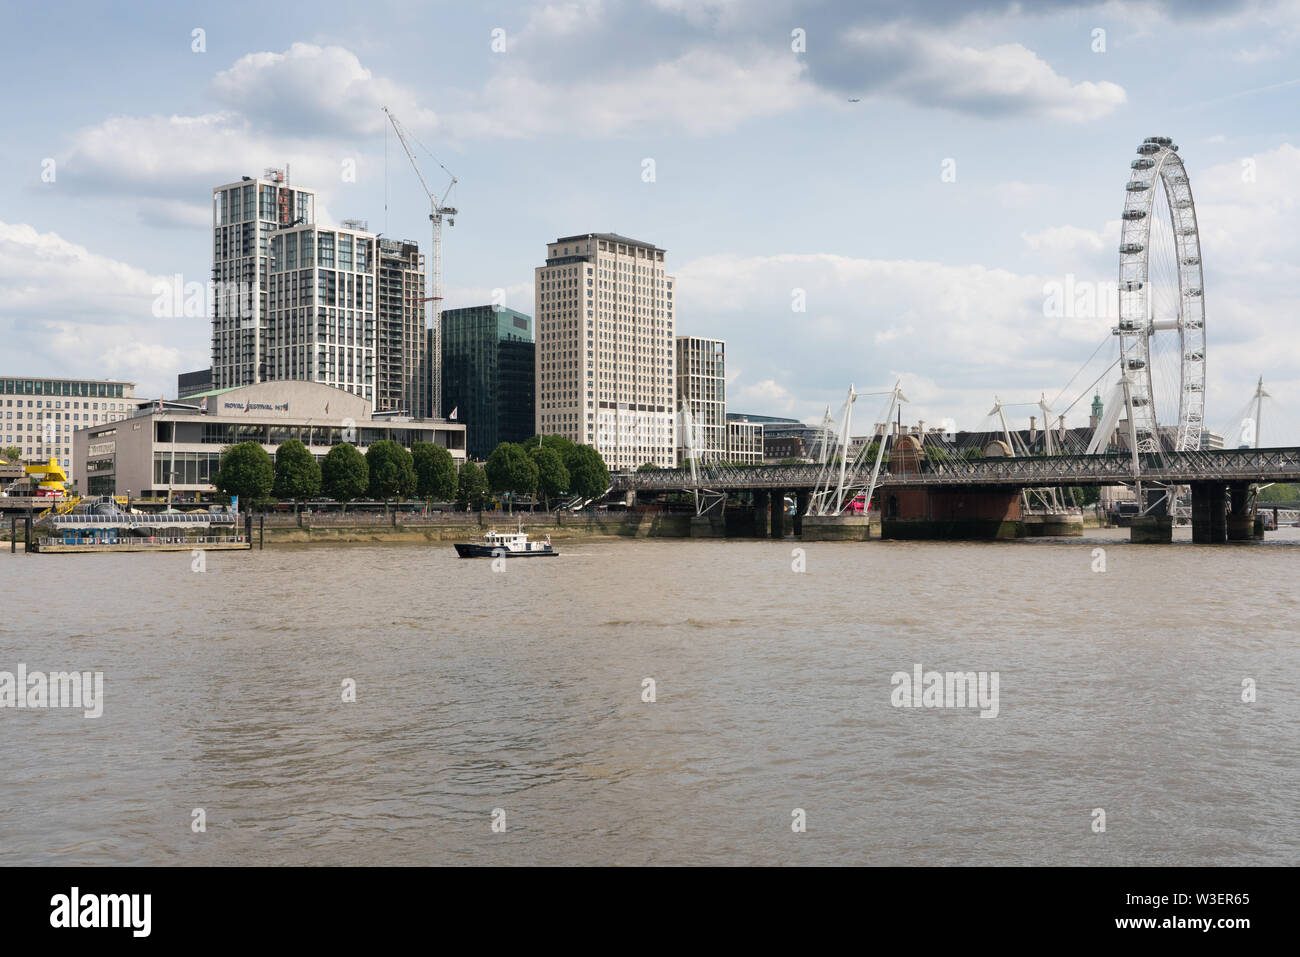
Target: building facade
point(744, 442)
point(401, 363)
point(193, 383)
point(605, 363)
point(244, 217)
point(701, 391)
point(321, 315)
point(177, 446)
point(488, 370)
point(40, 417)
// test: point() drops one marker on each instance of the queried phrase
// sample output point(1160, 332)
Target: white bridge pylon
point(841, 482)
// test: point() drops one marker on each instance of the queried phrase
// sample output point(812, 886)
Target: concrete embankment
point(345, 529)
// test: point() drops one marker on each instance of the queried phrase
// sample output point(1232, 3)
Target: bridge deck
point(1219, 465)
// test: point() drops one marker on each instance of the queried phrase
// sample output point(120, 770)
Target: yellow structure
point(50, 476)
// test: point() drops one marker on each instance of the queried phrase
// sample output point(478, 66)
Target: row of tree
point(386, 472)
point(545, 467)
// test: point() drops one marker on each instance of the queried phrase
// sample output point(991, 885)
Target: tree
point(588, 476)
point(471, 486)
point(11, 452)
point(345, 476)
point(1280, 492)
point(552, 476)
point(435, 472)
point(510, 469)
point(246, 470)
point(297, 473)
point(392, 471)
point(647, 467)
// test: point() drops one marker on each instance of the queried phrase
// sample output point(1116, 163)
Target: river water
point(521, 692)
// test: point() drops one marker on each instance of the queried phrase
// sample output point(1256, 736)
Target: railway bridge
point(970, 498)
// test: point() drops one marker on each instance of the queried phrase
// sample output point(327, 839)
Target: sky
point(849, 193)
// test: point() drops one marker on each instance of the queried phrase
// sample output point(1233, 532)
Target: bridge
point(955, 497)
point(1174, 468)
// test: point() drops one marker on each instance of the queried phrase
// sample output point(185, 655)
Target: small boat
point(505, 545)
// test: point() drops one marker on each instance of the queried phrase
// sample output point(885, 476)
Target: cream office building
point(604, 373)
point(40, 416)
point(177, 445)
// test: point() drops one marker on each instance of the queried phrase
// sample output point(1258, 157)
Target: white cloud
point(316, 91)
point(975, 330)
point(168, 165)
point(81, 313)
point(700, 92)
point(927, 69)
point(1066, 240)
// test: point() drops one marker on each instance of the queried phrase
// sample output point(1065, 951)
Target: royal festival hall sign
point(257, 406)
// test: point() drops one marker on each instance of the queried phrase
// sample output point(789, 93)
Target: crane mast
point(438, 208)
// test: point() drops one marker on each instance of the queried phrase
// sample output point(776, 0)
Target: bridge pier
point(760, 513)
point(1209, 513)
point(778, 513)
point(1241, 520)
point(801, 499)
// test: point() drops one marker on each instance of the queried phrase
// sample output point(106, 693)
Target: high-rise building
point(320, 313)
point(39, 416)
point(605, 325)
point(701, 399)
point(401, 364)
point(488, 359)
point(244, 216)
point(192, 383)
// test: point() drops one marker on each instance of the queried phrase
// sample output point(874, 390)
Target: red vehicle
point(857, 505)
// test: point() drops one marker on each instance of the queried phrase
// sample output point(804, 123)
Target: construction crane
point(438, 208)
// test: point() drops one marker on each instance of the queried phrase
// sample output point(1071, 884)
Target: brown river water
point(520, 692)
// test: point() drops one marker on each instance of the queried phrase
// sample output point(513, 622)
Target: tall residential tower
point(321, 309)
point(402, 365)
point(244, 215)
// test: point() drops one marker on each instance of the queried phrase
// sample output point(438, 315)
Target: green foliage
point(647, 467)
point(1084, 495)
point(588, 476)
point(11, 453)
point(297, 473)
point(247, 471)
point(472, 486)
point(791, 461)
point(345, 476)
point(435, 472)
point(392, 471)
point(557, 442)
point(1280, 492)
point(552, 476)
point(511, 469)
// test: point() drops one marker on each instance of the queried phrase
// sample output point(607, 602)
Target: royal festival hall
point(176, 446)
